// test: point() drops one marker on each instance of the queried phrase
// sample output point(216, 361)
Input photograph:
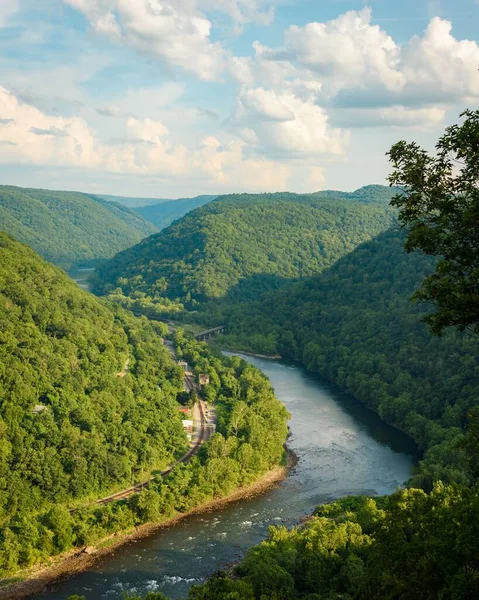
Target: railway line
point(203, 436)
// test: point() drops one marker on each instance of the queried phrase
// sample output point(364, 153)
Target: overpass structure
point(205, 335)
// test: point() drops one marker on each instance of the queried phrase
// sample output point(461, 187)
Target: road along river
point(342, 449)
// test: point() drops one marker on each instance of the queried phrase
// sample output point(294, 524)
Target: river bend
point(342, 449)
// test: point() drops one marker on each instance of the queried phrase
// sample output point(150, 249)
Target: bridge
point(205, 335)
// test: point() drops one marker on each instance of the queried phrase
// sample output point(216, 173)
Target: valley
point(370, 417)
point(344, 450)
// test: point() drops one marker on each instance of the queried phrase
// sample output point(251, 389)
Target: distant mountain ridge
point(69, 227)
point(164, 213)
point(140, 202)
point(245, 243)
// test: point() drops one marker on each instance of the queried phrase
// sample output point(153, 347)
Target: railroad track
point(184, 459)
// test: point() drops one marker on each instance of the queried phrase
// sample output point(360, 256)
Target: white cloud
point(174, 31)
point(242, 11)
point(349, 62)
point(227, 167)
point(149, 130)
point(29, 136)
point(316, 178)
point(348, 50)
point(389, 116)
point(284, 124)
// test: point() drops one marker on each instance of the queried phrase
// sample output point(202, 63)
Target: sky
point(172, 98)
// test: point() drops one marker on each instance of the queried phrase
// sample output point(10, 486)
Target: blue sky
point(167, 98)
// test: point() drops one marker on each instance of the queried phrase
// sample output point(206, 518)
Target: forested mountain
point(71, 428)
point(163, 214)
point(356, 325)
point(69, 227)
point(88, 405)
point(239, 245)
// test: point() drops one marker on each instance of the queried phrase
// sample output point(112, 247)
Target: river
point(342, 448)
point(81, 275)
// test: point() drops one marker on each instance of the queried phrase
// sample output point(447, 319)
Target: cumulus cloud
point(30, 136)
point(353, 64)
point(284, 124)
point(112, 111)
point(227, 167)
point(52, 130)
point(349, 50)
point(173, 31)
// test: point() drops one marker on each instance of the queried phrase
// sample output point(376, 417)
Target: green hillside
point(163, 214)
point(88, 406)
point(240, 245)
point(69, 227)
point(356, 325)
point(60, 349)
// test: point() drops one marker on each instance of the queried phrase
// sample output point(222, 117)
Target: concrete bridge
point(205, 335)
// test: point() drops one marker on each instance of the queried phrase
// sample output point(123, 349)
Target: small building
point(184, 364)
point(38, 408)
point(185, 410)
point(204, 379)
point(187, 425)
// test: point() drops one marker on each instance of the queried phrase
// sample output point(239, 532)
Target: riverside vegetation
point(73, 430)
point(355, 324)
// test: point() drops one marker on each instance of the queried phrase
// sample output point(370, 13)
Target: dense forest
point(356, 325)
point(69, 228)
point(89, 404)
point(163, 214)
point(240, 245)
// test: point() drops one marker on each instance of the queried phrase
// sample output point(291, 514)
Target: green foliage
point(240, 245)
point(164, 213)
point(70, 427)
point(68, 227)
point(414, 546)
point(356, 325)
point(439, 205)
point(88, 405)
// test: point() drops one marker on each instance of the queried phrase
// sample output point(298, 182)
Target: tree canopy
point(69, 228)
point(439, 206)
point(89, 405)
point(355, 324)
point(238, 246)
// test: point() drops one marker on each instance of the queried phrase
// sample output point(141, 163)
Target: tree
point(439, 204)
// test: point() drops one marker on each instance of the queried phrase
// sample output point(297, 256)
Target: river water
point(342, 448)
point(80, 275)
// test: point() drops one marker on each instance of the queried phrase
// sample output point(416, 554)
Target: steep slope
point(71, 426)
point(163, 214)
point(88, 406)
point(69, 227)
point(241, 244)
point(356, 325)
